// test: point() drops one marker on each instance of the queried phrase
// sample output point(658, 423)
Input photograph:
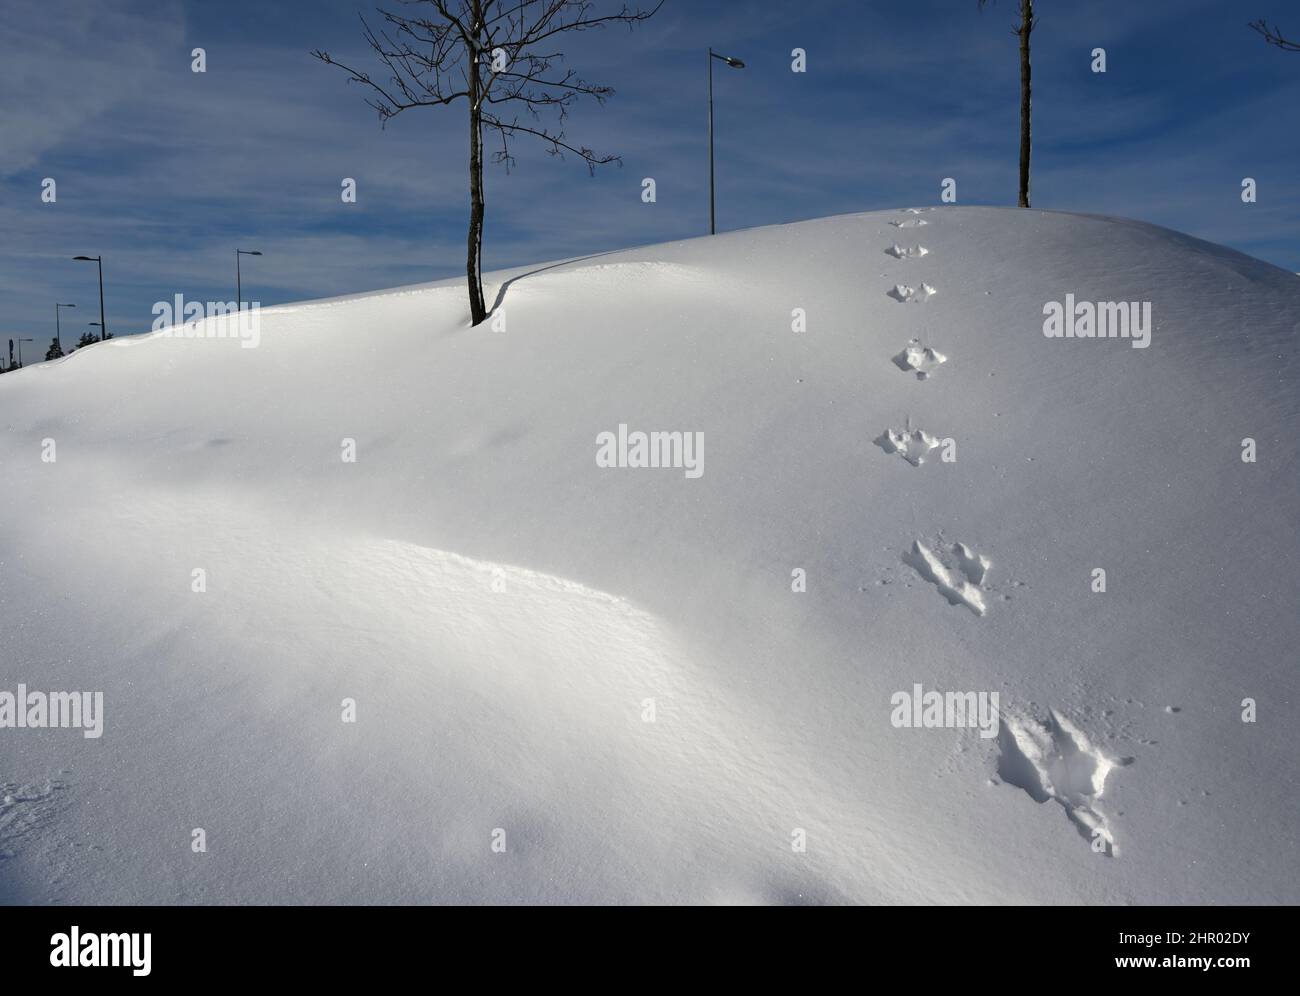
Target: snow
point(500, 608)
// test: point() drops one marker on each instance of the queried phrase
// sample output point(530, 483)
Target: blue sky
point(165, 171)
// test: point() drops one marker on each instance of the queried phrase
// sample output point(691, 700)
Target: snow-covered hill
point(608, 672)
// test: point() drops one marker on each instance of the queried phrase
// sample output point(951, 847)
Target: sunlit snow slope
point(501, 608)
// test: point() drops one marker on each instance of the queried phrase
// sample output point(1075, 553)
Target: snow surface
point(500, 607)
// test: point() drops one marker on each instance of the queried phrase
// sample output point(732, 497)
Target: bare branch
point(556, 144)
point(417, 78)
point(1274, 36)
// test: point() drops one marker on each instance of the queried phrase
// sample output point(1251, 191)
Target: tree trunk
point(474, 257)
point(1026, 26)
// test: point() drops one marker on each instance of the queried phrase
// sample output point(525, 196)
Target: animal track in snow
point(1053, 759)
point(913, 445)
point(955, 569)
point(25, 811)
point(912, 295)
point(920, 359)
point(911, 252)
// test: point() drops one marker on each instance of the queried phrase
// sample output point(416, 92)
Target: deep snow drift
point(502, 609)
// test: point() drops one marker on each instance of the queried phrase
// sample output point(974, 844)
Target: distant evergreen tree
point(87, 338)
point(55, 351)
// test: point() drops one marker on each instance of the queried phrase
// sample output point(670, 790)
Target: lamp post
point(99, 260)
point(58, 332)
point(734, 64)
point(239, 290)
point(20, 350)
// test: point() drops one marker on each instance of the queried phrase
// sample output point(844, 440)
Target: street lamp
point(20, 350)
point(239, 290)
point(58, 333)
point(100, 261)
point(734, 64)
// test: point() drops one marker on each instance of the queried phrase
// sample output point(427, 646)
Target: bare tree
point(1022, 30)
point(1274, 36)
point(499, 55)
